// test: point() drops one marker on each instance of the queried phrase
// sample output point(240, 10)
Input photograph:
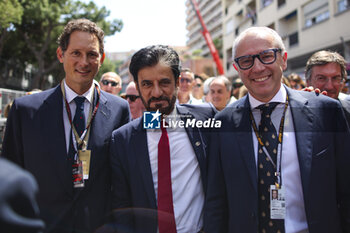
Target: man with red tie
point(158, 174)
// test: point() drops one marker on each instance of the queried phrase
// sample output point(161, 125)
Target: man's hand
point(316, 90)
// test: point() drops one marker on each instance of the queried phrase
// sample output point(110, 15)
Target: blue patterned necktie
point(79, 117)
point(266, 170)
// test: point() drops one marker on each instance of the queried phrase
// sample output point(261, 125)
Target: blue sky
point(146, 22)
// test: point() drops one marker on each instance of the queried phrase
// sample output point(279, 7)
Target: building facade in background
point(306, 26)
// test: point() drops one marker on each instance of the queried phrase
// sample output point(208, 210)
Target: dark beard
point(164, 110)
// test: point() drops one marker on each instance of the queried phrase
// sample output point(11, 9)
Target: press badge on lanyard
point(277, 203)
point(81, 161)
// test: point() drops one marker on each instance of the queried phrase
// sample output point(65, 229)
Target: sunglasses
point(182, 80)
point(132, 98)
point(106, 82)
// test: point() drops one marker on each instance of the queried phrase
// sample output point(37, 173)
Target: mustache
point(158, 99)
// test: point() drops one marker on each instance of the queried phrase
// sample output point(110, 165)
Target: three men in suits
point(301, 149)
point(159, 175)
point(62, 135)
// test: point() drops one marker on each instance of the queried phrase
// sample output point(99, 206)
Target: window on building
point(265, 3)
point(343, 5)
point(281, 3)
point(293, 39)
point(317, 19)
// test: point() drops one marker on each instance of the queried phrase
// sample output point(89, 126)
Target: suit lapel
point(55, 138)
point(244, 137)
point(302, 121)
point(139, 143)
point(196, 141)
point(97, 128)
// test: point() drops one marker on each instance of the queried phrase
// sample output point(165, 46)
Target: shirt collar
point(70, 94)
point(280, 97)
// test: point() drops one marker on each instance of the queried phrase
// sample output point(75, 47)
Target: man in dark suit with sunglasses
point(111, 82)
point(277, 138)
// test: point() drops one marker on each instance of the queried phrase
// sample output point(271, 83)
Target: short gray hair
point(260, 31)
point(225, 80)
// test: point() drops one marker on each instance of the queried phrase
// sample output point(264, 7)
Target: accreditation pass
point(277, 202)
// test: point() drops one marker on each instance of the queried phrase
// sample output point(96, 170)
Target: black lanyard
point(279, 148)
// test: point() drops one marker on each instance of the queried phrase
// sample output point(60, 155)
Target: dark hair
point(151, 56)
point(199, 77)
point(83, 25)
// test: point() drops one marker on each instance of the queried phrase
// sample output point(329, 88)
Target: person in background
point(111, 82)
point(206, 89)
point(296, 81)
point(326, 70)
point(198, 90)
point(219, 90)
point(184, 95)
point(135, 103)
point(61, 135)
point(277, 138)
point(236, 85)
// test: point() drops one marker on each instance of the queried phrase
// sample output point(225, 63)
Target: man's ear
point(59, 53)
point(234, 65)
point(102, 58)
point(285, 55)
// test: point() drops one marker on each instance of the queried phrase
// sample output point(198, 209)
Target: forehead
point(186, 75)
point(131, 90)
point(156, 72)
point(327, 69)
point(217, 85)
point(110, 77)
point(83, 40)
point(261, 42)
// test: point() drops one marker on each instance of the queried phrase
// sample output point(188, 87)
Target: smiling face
point(157, 88)
point(262, 81)
point(81, 61)
point(219, 94)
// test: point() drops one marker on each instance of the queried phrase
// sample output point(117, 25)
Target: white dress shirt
point(70, 95)
point(187, 188)
point(295, 219)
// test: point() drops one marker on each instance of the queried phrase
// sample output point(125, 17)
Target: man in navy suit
point(137, 160)
point(309, 167)
point(67, 154)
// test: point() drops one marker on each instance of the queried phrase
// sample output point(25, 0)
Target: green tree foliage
point(10, 13)
point(33, 40)
point(107, 66)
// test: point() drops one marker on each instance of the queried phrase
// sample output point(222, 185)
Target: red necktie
point(166, 218)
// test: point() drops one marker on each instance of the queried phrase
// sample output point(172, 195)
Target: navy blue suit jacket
point(35, 140)
point(323, 146)
point(134, 197)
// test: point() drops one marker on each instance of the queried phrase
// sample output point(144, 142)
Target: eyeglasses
point(182, 80)
point(265, 57)
point(131, 97)
point(336, 80)
point(106, 82)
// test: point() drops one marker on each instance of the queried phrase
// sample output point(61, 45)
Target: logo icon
point(151, 120)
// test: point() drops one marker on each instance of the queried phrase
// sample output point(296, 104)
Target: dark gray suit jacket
point(323, 146)
point(19, 210)
point(134, 199)
point(35, 140)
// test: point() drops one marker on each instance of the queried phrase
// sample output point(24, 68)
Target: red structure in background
point(208, 39)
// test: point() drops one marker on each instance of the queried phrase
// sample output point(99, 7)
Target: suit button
point(198, 143)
